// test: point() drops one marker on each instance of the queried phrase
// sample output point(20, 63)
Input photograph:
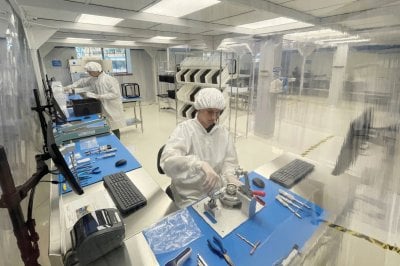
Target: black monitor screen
point(59, 161)
point(357, 134)
point(60, 115)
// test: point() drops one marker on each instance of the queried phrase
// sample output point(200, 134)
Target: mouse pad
point(106, 166)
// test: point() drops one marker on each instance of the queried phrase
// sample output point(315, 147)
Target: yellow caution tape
point(313, 147)
point(365, 237)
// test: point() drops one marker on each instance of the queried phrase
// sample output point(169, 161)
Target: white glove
point(92, 95)
point(211, 179)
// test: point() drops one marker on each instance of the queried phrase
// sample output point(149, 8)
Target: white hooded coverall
point(187, 147)
point(108, 92)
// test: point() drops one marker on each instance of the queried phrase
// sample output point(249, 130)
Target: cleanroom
point(212, 132)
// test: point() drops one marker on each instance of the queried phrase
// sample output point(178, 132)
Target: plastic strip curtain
point(19, 127)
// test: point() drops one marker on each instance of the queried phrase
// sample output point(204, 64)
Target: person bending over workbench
point(105, 88)
point(200, 156)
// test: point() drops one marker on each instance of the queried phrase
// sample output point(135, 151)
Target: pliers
point(256, 194)
point(218, 248)
point(86, 173)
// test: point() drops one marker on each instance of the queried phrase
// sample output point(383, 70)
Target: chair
point(161, 171)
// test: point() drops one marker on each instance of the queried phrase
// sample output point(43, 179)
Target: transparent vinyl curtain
point(19, 128)
point(340, 106)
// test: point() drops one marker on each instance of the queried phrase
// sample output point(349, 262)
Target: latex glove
point(92, 95)
point(211, 179)
point(234, 180)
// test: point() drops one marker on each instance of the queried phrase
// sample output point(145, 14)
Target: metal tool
point(245, 189)
point(229, 198)
point(181, 258)
point(93, 171)
point(253, 245)
point(283, 202)
point(288, 259)
point(288, 201)
point(291, 197)
point(107, 155)
point(201, 261)
point(218, 248)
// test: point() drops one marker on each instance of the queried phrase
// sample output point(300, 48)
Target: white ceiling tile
point(373, 22)
point(250, 17)
point(134, 5)
point(47, 13)
point(136, 24)
point(218, 12)
point(179, 29)
point(307, 5)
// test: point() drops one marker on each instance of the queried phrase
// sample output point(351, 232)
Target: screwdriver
point(288, 201)
point(278, 198)
point(291, 197)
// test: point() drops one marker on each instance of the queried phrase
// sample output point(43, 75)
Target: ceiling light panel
point(124, 42)
point(99, 20)
point(315, 35)
point(351, 41)
point(179, 8)
point(77, 39)
point(268, 23)
point(163, 38)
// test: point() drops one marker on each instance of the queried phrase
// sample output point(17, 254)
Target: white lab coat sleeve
point(175, 160)
point(81, 83)
point(112, 90)
point(230, 161)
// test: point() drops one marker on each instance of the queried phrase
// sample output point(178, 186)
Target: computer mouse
point(120, 163)
point(258, 182)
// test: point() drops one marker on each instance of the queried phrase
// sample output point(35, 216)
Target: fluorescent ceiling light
point(125, 42)
point(272, 22)
point(162, 38)
point(351, 41)
point(100, 20)
point(179, 8)
point(315, 35)
point(340, 39)
point(78, 39)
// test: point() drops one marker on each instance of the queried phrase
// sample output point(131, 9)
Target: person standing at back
point(200, 156)
point(105, 88)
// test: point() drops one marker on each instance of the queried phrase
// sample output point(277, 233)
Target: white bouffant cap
point(93, 66)
point(209, 98)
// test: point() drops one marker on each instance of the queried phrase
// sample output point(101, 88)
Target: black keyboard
point(124, 193)
point(291, 173)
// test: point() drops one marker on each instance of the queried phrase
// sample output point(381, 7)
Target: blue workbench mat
point(275, 226)
point(107, 165)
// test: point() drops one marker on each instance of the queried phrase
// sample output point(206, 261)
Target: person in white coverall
point(105, 88)
point(200, 156)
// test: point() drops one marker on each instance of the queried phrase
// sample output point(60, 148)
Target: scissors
point(218, 248)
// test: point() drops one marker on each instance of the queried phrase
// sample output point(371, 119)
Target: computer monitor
point(58, 112)
point(357, 134)
point(59, 161)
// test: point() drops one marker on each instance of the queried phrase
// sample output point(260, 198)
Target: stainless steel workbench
point(135, 250)
point(334, 194)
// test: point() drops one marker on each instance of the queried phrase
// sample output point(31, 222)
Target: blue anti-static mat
point(275, 226)
point(107, 165)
